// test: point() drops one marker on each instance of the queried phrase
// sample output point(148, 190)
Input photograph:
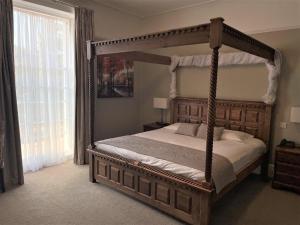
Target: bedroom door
point(45, 85)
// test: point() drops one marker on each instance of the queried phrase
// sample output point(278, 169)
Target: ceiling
point(148, 8)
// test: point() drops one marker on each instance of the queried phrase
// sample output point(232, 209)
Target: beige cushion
point(189, 129)
point(173, 127)
point(202, 132)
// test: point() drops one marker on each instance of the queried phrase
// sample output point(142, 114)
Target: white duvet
point(240, 154)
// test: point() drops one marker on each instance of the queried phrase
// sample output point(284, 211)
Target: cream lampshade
point(295, 114)
point(161, 103)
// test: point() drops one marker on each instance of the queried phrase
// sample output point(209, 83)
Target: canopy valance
point(228, 59)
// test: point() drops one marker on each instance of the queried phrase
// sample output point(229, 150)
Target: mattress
point(240, 154)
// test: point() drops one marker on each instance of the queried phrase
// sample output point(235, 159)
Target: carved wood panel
point(144, 186)
point(128, 179)
point(248, 116)
point(162, 194)
point(101, 169)
point(235, 114)
point(183, 201)
point(115, 174)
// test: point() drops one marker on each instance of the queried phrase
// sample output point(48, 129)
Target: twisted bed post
point(91, 84)
point(211, 116)
point(215, 40)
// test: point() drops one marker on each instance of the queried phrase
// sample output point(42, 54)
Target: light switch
point(283, 125)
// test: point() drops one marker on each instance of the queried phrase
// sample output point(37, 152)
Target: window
point(45, 85)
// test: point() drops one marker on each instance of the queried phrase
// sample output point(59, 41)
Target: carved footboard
point(179, 198)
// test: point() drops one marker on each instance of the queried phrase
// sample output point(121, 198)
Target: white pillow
point(173, 127)
point(188, 129)
point(235, 135)
point(202, 132)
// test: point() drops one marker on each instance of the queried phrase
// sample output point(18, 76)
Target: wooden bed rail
point(141, 57)
point(170, 38)
point(186, 36)
point(238, 40)
point(180, 180)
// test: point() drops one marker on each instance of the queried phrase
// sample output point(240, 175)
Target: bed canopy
point(216, 33)
point(227, 59)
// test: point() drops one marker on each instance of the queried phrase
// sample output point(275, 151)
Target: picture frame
point(115, 78)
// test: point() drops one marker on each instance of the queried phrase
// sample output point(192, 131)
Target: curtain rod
point(65, 3)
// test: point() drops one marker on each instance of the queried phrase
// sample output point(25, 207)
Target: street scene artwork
point(115, 78)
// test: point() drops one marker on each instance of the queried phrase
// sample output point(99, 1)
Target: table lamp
point(162, 104)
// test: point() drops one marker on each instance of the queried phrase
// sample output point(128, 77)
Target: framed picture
point(115, 78)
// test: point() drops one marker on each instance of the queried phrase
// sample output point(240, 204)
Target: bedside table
point(154, 126)
point(287, 168)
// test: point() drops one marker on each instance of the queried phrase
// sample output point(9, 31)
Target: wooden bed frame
point(188, 200)
point(176, 195)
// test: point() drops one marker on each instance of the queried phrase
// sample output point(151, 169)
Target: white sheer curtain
point(45, 84)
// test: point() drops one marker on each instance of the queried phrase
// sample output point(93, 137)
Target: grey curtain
point(84, 30)
point(13, 170)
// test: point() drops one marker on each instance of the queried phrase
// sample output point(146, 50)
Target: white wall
point(110, 23)
point(251, 16)
point(114, 116)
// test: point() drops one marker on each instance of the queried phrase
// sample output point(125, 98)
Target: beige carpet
point(63, 195)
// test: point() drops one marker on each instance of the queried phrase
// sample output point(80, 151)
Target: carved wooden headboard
point(248, 116)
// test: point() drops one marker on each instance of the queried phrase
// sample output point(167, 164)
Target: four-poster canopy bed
point(186, 199)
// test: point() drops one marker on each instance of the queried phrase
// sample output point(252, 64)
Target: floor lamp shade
point(295, 115)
